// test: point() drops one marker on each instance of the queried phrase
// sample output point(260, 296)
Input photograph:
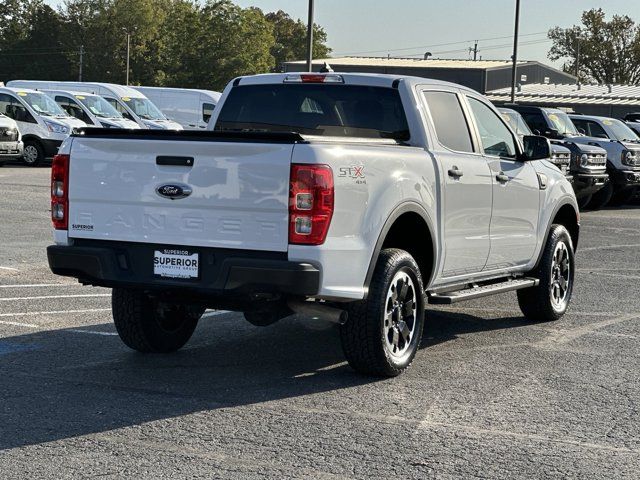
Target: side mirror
point(535, 148)
point(551, 133)
point(582, 131)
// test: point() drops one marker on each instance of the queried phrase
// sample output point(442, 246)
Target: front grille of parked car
point(561, 158)
point(597, 159)
point(7, 135)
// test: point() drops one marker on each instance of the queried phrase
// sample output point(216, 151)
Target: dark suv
point(588, 162)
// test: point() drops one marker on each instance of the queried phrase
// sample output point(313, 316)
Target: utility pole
point(515, 53)
point(128, 50)
point(81, 59)
point(578, 59)
point(310, 38)
point(475, 51)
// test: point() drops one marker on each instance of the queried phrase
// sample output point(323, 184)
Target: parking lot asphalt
point(488, 396)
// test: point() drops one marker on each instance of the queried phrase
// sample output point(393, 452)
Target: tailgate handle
point(174, 161)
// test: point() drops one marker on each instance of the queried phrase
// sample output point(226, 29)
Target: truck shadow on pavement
point(61, 384)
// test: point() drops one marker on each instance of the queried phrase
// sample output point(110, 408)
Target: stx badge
point(354, 171)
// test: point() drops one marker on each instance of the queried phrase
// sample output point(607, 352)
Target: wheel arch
point(567, 214)
point(421, 244)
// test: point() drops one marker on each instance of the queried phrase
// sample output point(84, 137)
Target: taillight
point(310, 203)
point(60, 192)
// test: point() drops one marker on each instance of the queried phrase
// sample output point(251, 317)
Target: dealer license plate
point(176, 263)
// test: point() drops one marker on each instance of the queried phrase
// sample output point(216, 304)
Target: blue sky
point(411, 27)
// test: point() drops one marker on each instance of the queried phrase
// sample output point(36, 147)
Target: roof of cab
point(75, 93)
point(119, 90)
point(16, 90)
point(209, 93)
point(372, 79)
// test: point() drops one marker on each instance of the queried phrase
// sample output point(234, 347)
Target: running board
point(447, 298)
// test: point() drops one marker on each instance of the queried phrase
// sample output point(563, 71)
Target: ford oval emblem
point(174, 191)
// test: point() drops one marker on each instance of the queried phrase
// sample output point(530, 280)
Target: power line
point(438, 44)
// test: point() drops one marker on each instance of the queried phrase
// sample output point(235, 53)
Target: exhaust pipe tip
point(319, 310)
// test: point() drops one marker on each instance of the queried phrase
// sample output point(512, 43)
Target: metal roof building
point(605, 100)
point(481, 75)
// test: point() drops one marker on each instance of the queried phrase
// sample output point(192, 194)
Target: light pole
point(128, 50)
point(515, 53)
point(310, 38)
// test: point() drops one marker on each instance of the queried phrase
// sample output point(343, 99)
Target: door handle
point(502, 178)
point(454, 172)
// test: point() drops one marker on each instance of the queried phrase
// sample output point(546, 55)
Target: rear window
point(315, 109)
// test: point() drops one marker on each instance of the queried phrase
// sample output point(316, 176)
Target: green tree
point(31, 41)
point(609, 51)
point(291, 39)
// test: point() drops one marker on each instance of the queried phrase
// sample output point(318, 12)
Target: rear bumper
point(222, 271)
point(588, 183)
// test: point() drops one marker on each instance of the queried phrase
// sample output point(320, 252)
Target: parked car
point(91, 109)
point(560, 156)
point(632, 117)
point(588, 162)
point(623, 157)
point(392, 192)
point(41, 121)
point(132, 104)
point(190, 108)
point(10, 140)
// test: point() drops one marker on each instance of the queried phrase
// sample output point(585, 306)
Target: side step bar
point(447, 298)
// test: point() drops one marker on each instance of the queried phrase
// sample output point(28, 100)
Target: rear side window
point(535, 121)
point(315, 109)
point(207, 111)
point(451, 126)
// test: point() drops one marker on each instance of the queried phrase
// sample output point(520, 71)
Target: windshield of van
point(144, 108)
point(315, 109)
point(515, 121)
point(99, 106)
point(42, 104)
point(562, 123)
point(620, 131)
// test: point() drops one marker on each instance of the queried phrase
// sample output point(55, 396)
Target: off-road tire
point(39, 156)
point(624, 197)
point(601, 198)
point(536, 302)
point(363, 335)
point(150, 326)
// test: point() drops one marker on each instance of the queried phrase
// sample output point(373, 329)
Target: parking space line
point(18, 324)
point(36, 285)
point(92, 332)
point(47, 297)
point(54, 312)
point(9, 269)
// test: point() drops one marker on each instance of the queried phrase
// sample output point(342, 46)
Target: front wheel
point(383, 332)
point(601, 198)
point(550, 299)
point(33, 153)
point(149, 325)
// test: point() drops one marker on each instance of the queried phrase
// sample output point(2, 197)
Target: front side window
point(119, 108)
point(72, 108)
point(99, 106)
point(14, 109)
point(315, 109)
point(451, 126)
point(595, 130)
point(536, 122)
point(496, 137)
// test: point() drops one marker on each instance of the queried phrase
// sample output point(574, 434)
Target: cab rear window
point(315, 109)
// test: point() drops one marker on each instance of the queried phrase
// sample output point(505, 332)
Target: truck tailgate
point(239, 191)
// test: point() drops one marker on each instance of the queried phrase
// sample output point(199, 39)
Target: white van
point(10, 140)
point(91, 109)
point(41, 121)
point(129, 102)
point(191, 108)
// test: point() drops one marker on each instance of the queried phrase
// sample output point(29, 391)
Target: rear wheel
point(601, 198)
point(146, 324)
point(33, 153)
point(383, 332)
point(550, 299)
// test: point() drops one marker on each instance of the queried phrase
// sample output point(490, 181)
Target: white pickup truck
point(358, 198)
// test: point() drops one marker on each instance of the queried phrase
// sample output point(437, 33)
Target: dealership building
point(480, 75)
point(604, 100)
